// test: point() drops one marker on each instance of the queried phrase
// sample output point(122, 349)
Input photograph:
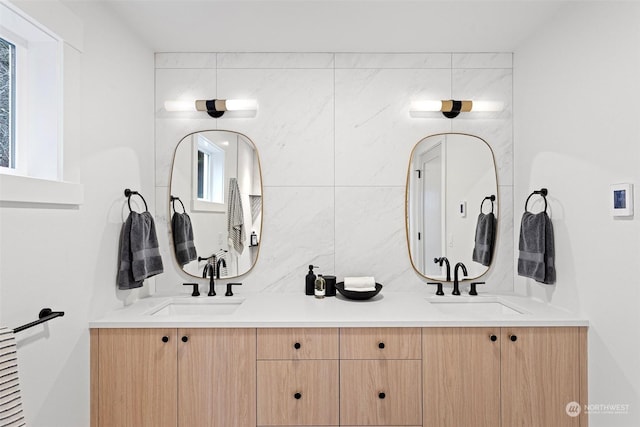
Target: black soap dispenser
point(310, 281)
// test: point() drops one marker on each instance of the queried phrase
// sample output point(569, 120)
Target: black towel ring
point(492, 198)
point(128, 193)
point(543, 192)
point(173, 204)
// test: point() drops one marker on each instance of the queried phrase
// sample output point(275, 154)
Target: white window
point(7, 103)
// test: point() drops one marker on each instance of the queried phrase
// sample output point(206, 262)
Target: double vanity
point(287, 359)
point(400, 359)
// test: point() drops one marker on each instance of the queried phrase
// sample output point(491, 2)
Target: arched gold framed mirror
point(452, 189)
point(215, 203)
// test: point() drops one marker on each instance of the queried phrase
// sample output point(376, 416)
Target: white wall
point(577, 131)
point(65, 259)
point(334, 136)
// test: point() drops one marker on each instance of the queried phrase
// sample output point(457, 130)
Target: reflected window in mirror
point(449, 177)
point(210, 179)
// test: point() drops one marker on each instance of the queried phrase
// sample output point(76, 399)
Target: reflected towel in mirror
point(183, 238)
point(235, 218)
point(485, 238)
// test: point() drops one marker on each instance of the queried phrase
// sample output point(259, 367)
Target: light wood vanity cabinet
point(173, 377)
point(133, 377)
point(312, 377)
point(298, 371)
point(380, 376)
point(503, 376)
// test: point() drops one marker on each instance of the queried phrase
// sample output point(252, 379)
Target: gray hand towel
point(183, 238)
point(485, 238)
point(139, 252)
point(235, 218)
point(536, 247)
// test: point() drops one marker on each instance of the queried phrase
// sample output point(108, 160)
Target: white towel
point(360, 284)
point(10, 399)
point(235, 218)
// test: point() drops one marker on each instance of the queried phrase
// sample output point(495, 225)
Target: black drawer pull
point(513, 338)
point(165, 339)
point(381, 395)
point(381, 345)
point(493, 338)
point(297, 346)
point(185, 338)
point(297, 395)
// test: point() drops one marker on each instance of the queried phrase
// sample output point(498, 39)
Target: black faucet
point(456, 290)
point(446, 261)
point(208, 271)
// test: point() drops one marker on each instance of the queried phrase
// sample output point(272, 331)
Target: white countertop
point(388, 309)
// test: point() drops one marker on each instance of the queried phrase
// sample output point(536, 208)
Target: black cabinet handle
point(493, 338)
point(513, 338)
point(165, 339)
point(297, 395)
point(381, 395)
point(185, 338)
point(297, 346)
point(381, 345)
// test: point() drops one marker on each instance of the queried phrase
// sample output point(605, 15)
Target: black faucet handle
point(439, 285)
point(473, 291)
point(229, 293)
point(196, 290)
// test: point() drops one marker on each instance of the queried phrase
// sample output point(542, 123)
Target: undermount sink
point(197, 307)
point(487, 306)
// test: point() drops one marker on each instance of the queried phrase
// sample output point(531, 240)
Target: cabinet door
point(297, 343)
point(461, 377)
point(380, 392)
point(136, 377)
point(540, 376)
point(298, 392)
point(380, 343)
point(217, 377)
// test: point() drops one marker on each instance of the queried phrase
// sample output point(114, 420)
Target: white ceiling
point(335, 25)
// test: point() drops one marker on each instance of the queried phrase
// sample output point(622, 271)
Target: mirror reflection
point(216, 203)
point(451, 204)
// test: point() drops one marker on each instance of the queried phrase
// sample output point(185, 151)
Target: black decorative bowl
point(357, 295)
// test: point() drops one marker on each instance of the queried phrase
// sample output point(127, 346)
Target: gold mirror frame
point(169, 202)
point(407, 207)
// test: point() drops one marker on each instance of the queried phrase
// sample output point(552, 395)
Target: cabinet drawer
point(298, 392)
point(297, 343)
point(380, 392)
point(380, 343)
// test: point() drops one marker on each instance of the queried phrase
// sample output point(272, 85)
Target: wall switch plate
point(462, 209)
point(622, 199)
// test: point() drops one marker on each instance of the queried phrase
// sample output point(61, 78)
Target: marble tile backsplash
point(334, 136)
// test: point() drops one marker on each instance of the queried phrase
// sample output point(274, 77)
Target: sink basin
point(197, 307)
point(483, 306)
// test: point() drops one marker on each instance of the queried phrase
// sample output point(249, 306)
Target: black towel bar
point(44, 316)
point(128, 193)
point(543, 192)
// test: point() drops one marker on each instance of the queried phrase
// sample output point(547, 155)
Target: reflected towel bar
point(44, 316)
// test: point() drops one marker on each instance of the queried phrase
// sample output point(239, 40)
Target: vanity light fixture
point(451, 108)
point(213, 107)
